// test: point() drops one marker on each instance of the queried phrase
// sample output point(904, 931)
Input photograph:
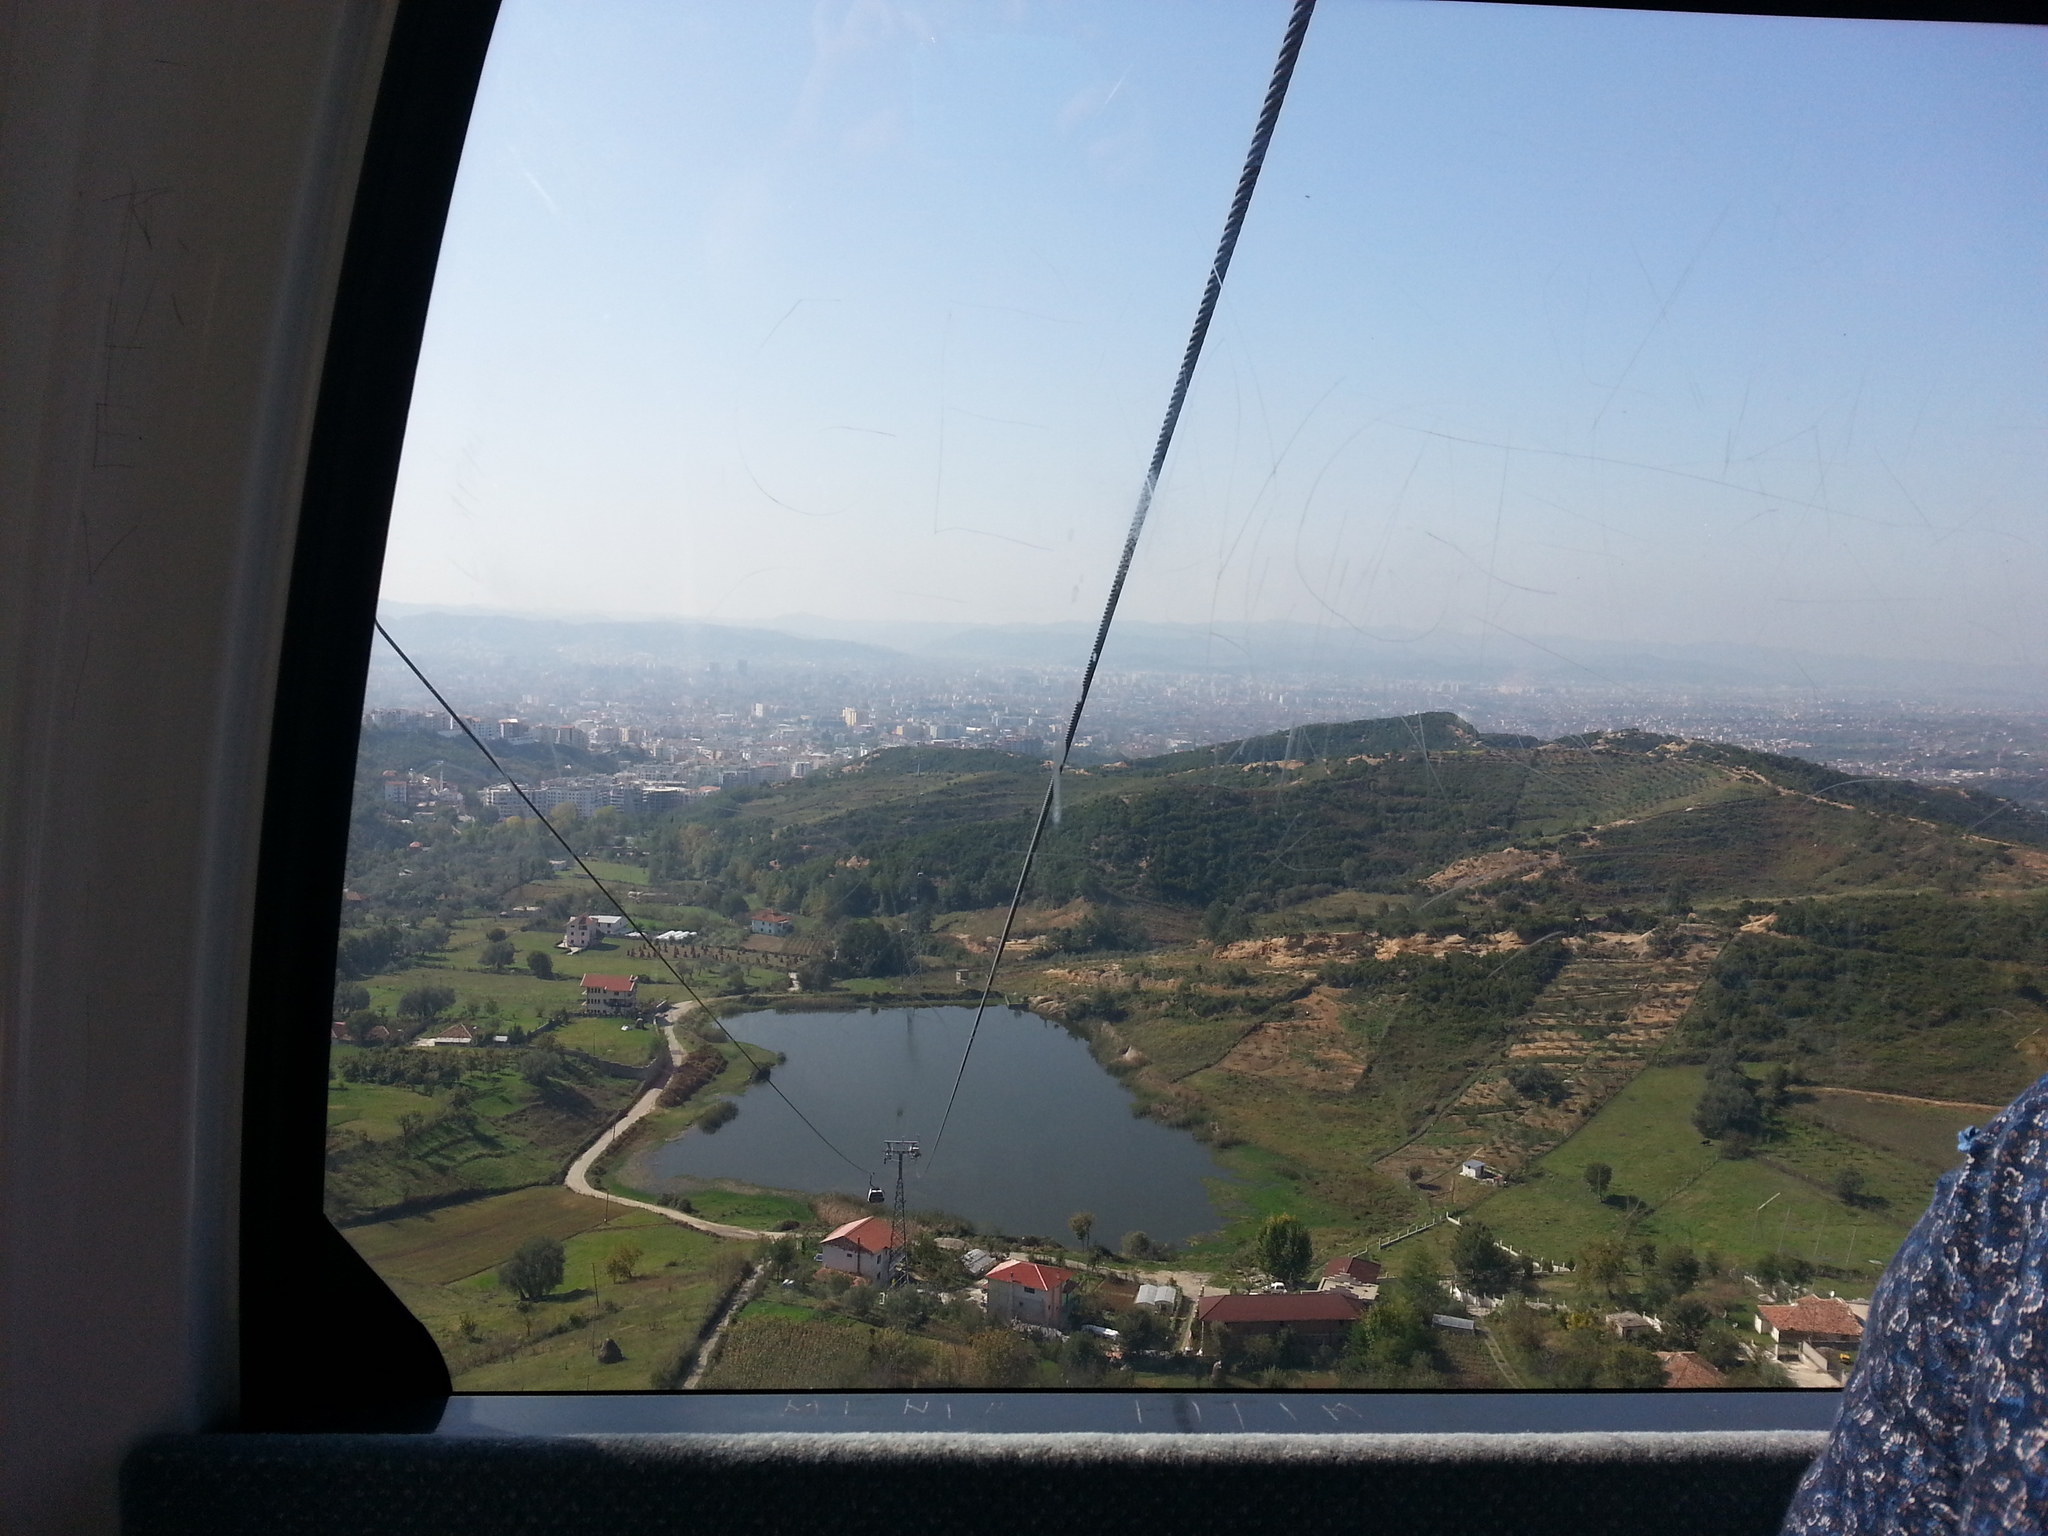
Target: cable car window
point(1059, 706)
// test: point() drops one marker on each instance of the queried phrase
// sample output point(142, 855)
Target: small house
point(1023, 1292)
point(1312, 1316)
point(610, 994)
point(1686, 1371)
point(774, 924)
point(581, 933)
point(1475, 1168)
point(864, 1248)
point(1819, 1332)
point(1631, 1325)
point(1359, 1276)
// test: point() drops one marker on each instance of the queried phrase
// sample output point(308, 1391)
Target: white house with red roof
point(864, 1248)
point(1819, 1331)
point(1022, 1292)
point(610, 994)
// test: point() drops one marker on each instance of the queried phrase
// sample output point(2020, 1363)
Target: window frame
point(380, 1367)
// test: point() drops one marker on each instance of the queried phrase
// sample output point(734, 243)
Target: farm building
point(863, 1248)
point(451, 1034)
point(1313, 1316)
point(1023, 1292)
point(774, 924)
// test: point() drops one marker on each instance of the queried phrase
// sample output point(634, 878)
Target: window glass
point(1558, 845)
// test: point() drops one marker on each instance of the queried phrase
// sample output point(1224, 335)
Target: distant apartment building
point(854, 718)
point(610, 994)
point(512, 730)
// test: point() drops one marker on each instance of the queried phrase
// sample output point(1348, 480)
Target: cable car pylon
point(899, 1153)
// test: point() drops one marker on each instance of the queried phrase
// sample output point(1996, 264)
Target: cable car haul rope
point(1049, 807)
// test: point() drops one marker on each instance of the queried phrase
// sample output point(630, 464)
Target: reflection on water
point(1040, 1130)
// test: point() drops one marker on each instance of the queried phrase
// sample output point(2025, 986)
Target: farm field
point(443, 1266)
point(1746, 1207)
point(605, 1038)
point(1921, 1133)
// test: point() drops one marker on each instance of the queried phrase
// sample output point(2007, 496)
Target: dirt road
point(578, 1177)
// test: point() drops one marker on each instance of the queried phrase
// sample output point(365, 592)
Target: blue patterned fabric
point(1944, 1424)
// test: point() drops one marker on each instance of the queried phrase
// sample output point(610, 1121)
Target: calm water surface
point(1040, 1130)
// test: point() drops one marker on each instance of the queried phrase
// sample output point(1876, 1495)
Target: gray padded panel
point(1724, 1484)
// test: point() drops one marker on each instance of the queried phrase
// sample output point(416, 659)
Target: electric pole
point(899, 1153)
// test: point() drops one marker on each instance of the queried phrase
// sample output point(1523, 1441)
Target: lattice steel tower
point(899, 1153)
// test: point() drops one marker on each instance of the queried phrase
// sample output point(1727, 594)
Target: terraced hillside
point(1609, 1013)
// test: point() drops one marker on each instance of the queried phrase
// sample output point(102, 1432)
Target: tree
point(1137, 1244)
point(1603, 1266)
point(1783, 1269)
point(1680, 1269)
point(1081, 1362)
point(349, 997)
point(869, 948)
point(1727, 1103)
point(496, 955)
point(1284, 1249)
point(1598, 1177)
point(534, 1269)
point(1081, 1223)
point(623, 1263)
point(1537, 1083)
point(426, 1003)
point(541, 964)
point(493, 935)
point(1000, 1358)
point(1850, 1186)
point(1483, 1265)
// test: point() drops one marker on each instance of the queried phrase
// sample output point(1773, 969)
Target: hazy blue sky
point(1556, 323)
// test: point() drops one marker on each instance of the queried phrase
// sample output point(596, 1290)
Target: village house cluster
point(1815, 1338)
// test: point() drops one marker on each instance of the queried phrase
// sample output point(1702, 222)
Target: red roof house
point(1347, 1274)
point(1686, 1371)
point(1323, 1316)
point(1820, 1331)
point(1022, 1292)
point(864, 1248)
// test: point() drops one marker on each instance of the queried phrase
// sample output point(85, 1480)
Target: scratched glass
point(1555, 850)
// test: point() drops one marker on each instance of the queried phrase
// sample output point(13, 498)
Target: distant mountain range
point(1277, 651)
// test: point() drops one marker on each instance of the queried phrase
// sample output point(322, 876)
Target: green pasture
point(605, 1038)
point(373, 1108)
point(1777, 1201)
point(444, 1267)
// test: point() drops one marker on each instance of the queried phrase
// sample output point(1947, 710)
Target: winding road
point(578, 1177)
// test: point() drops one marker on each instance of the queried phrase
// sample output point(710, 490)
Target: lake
point(1040, 1130)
